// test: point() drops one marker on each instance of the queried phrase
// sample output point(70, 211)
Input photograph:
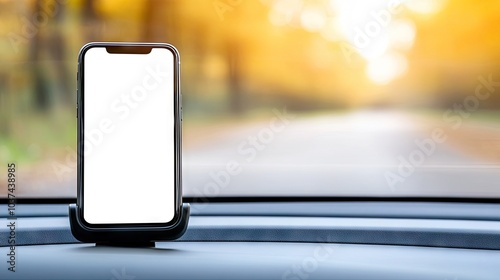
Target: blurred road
point(365, 153)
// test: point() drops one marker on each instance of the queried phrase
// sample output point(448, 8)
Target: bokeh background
point(280, 98)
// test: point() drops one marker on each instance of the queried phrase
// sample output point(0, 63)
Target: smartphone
point(129, 134)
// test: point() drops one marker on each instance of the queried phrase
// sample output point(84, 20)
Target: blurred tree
point(40, 86)
point(159, 21)
point(90, 21)
point(234, 28)
point(233, 56)
point(56, 46)
point(453, 48)
point(4, 110)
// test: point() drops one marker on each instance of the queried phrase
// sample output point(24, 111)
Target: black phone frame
point(129, 233)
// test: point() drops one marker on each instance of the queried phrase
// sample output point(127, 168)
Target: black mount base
point(128, 244)
point(126, 236)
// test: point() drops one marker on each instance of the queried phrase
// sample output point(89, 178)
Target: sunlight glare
point(425, 6)
point(331, 31)
point(312, 19)
point(283, 11)
point(402, 34)
point(386, 68)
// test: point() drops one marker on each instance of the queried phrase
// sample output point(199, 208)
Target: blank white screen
point(129, 137)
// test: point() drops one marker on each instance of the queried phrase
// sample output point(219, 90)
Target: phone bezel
point(177, 132)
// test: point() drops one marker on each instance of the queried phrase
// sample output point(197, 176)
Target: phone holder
point(126, 236)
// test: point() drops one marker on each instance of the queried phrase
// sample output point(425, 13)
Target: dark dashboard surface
point(293, 240)
point(253, 260)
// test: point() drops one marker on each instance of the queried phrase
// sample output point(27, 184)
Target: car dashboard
point(274, 240)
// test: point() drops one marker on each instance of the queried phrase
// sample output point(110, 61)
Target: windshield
point(280, 98)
